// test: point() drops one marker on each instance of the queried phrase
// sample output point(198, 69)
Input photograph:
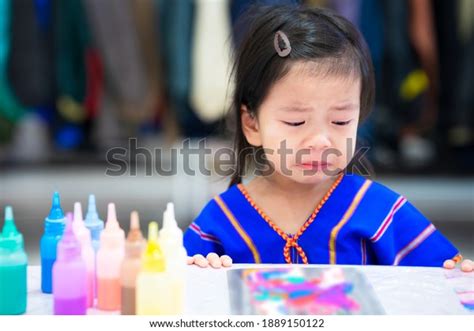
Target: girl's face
point(307, 124)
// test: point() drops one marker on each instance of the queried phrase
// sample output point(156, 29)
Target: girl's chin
point(314, 179)
point(311, 177)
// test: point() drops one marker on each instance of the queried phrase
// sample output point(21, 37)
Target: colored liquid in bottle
point(109, 293)
point(90, 289)
point(70, 306)
point(128, 301)
point(12, 289)
point(46, 275)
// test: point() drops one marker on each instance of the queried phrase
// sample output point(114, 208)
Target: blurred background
point(79, 77)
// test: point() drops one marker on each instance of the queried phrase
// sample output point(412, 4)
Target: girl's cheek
point(272, 135)
point(346, 138)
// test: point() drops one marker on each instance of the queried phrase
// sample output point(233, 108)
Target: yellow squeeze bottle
point(153, 290)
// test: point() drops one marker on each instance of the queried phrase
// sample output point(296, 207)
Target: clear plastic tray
point(301, 291)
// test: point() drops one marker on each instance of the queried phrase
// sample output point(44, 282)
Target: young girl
point(304, 82)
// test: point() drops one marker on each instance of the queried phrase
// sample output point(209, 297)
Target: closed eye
point(294, 123)
point(341, 122)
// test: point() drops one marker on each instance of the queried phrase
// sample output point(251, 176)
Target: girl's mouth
point(314, 165)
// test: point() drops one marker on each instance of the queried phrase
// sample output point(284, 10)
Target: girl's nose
point(318, 141)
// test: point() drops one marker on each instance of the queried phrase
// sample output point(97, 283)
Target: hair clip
point(276, 43)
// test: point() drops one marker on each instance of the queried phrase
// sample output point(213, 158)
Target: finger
point(200, 261)
point(467, 265)
point(449, 264)
point(226, 260)
point(190, 260)
point(214, 260)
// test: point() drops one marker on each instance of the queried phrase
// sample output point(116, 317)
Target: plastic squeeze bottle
point(94, 223)
point(83, 235)
point(171, 240)
point(134, 248)
point(69, 275)
point(109, 262)
point(150, 280)
point(53, 231)
point(154, 285)
point(13, 263)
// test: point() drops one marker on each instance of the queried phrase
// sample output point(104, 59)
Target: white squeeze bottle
point(171, 240)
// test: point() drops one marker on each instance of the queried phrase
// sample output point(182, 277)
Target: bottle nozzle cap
point(78, 213)
point(92, 208)
point(153, 259)
point(68, 246)
point(112, 222)
point(153, 231)
point(10, 238)
point(92, 220)
point(168, 216)
point(9, 228)
point(113, 235)
point(79, 227)
point(56, 212)
point(134, 221)
point(56, 199)
point(134, 234)
point(8, 213)
point(170, 208)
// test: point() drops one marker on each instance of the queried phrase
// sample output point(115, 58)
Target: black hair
point(316, 35)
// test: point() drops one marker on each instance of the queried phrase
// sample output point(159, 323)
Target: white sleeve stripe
point(388, 219)
point(414, 243)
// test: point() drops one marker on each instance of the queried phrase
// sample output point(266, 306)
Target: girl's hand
point(212, 259)
point(466, 265)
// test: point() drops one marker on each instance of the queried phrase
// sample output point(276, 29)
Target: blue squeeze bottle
point(53, 230)
point(94, 223)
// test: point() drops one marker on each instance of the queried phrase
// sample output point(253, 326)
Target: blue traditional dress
point(361, 222)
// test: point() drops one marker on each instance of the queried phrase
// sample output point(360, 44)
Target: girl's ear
point(250, 126)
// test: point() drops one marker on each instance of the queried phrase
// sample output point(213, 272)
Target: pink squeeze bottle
point(69, 275)
point(87, 252)
point(109, 262)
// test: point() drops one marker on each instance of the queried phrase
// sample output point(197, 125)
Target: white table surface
point(400, 290)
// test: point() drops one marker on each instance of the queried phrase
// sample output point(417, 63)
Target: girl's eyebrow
point(345, 106)
point(301, 109)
